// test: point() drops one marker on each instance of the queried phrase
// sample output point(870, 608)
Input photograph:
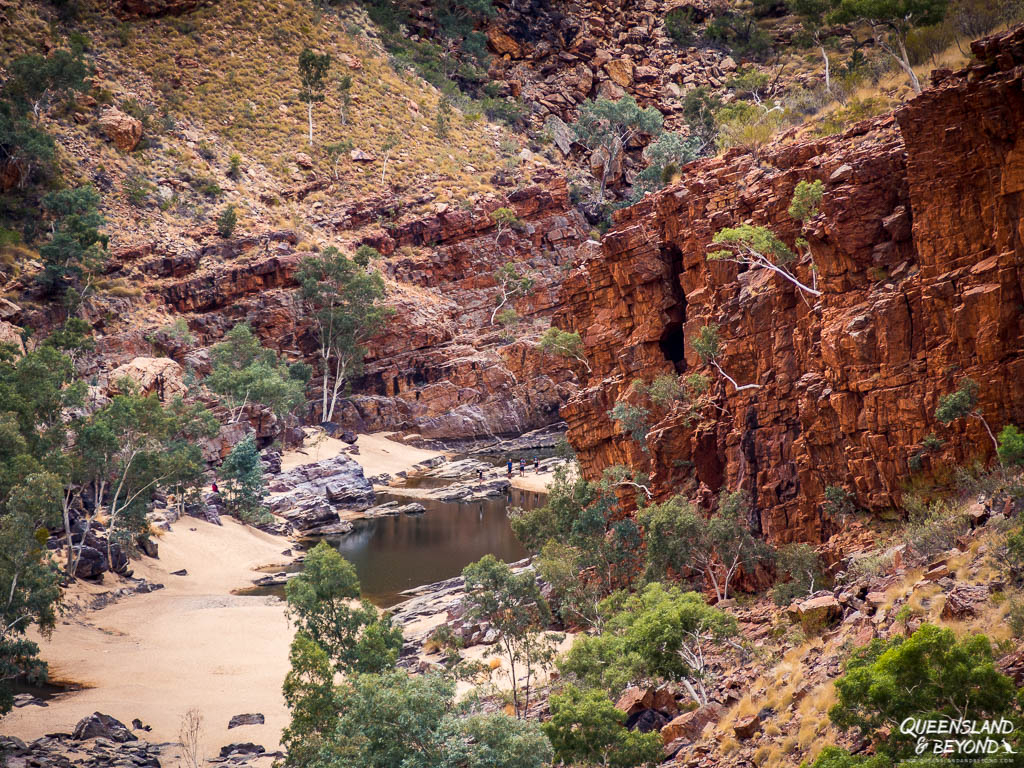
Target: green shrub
point(1011, 446)
point(226, 221)
point(680, 26)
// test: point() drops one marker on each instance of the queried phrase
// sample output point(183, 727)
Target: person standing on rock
point(522, 467)
point(510, 466)
point(536, 465)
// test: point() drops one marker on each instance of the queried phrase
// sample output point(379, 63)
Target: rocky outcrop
point(124, 130)
point(918, 257)
point(309, 496)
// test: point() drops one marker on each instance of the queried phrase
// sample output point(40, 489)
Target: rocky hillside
point(918, 259)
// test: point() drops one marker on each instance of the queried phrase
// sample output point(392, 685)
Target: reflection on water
point(391, 554)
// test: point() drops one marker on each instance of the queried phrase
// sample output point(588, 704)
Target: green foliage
point(680, 26)
point(512, 604)
point(511, 284)
point(324, 605)
point(699, 108)
point(136, 189)
point(366, 254)
point(1011, 446)
point(633, 419)
point(443, 118)
point(393, 720)
point(313, 69)
point(707, 343)
point(243, 371)
point(892, 21)
point(1015, 550)
point(33, 83)
point(234, 166)
point(226, 221)
point(588, 548)
point(242, 487)
point(656, 633)
point(747, 239)
point(586, 729)
point(76, 248)
point(344, 302)
point(682, 541)
point(665, 158)
point(839, 502)
point(310, 695)
point(130, 447)
point(504, 219)
point(564, 344)
point(929, 675)
point(609, 126)
point(740, 32)
point(958, 404)
point(807, 198)
point(834, 757)
point(802, 567)
point(35, 392)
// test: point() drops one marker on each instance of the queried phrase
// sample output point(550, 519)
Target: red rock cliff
point(919, 256)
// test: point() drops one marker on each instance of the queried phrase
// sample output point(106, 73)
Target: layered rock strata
point(917, 251)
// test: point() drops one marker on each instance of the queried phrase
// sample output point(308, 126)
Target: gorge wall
point(919, 256)
point(441, 369)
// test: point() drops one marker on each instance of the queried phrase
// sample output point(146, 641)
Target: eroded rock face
point(919, 259)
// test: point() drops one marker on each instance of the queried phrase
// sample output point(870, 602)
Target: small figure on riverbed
point(510, 466)
point(522, 467)
point(536, 465)
point(480, 476)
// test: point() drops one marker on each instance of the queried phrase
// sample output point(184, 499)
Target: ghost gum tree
point(343, 299)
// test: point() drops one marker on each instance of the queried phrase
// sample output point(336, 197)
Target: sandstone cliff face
point(441, 369)
point(919, 257)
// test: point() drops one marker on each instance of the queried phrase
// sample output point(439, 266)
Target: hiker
point(480, 475)
point(522, 467)
point(213, 486)
point(510, 466)
point(536, 465)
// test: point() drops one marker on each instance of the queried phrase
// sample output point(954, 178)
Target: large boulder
point(159, 375)
point(124, 130)
point(98, 725)
point(689, 724)
point(816, 613)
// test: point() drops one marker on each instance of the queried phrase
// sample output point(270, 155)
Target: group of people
point(522, 466)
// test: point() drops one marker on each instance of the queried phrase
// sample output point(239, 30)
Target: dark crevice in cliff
point(748, 445)
point(672, 341)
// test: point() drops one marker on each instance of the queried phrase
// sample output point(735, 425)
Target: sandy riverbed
point(191, 644)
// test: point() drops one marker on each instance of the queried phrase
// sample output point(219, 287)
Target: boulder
point(98, 725)
point(620, 71)
point(747, 727)
point(503, 44)
point(124, 130)
point(689, 724)
point(255, 718)
point(646, 720)
point(242, 748)
point(817, 613)
point(159, 375)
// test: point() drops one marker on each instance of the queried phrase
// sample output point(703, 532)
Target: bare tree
point(190, 735)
